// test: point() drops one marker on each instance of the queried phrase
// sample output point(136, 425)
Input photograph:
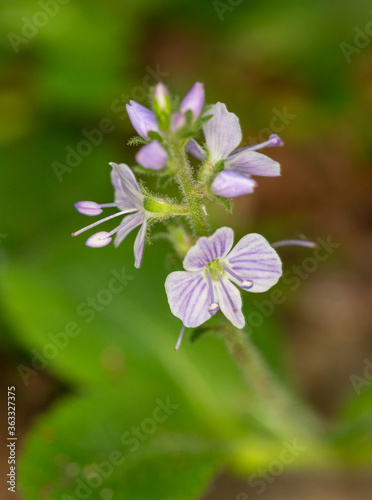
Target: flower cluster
point(214, 270)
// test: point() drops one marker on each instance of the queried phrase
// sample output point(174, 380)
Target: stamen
point(103, 220)
point(99, 240)
point(180, 338)
point(227, 295)
point(213, 306)
point(90, 208)
point(114, 204)
point(274, 140)
point(300, 243)
point(245, 284)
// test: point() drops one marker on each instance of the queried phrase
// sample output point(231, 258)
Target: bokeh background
point(299, 69)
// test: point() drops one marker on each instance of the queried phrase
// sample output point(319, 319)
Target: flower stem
point(187, 184)
point(279, 409)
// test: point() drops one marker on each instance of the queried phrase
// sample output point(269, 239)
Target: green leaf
point(128, 451)
point(136, 140)
point(225, 202)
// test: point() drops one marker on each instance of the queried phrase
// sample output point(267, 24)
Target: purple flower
point(143, 120)
point(213, 270)
point(222, 136)
point(194, 100)
point(152, 156)
point(128, 199)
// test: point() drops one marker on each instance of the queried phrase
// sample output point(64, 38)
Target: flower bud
point(143, 120)
point(152, 156)
point(178, 121)
point(194, 100)
point(229, 184)
point(161, 98)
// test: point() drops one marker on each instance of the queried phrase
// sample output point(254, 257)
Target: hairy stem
point(282, 412)
point(187, 184)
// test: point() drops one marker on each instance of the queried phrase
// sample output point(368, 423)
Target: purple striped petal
point(139, 245)
point(152, 156)
point(229, 184)
point(253, 259)
point(127, 191)
point(127, 225)
point(222, 133)
point(188, 297)
point(195, 149)
point(143, 120)
point(251, 163)
point(209, 248)
point(230, 302)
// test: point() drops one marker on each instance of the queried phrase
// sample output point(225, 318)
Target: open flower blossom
point(222, 136)
point(144, 121)
point(212, 269)
point(129, 200)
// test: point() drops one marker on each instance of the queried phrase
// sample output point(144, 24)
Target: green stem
point(281, 411)
point(187, 184)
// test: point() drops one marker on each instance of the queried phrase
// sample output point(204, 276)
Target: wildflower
point(144, 120)
point(212, 270)
point(222, 136)
point(129, 200)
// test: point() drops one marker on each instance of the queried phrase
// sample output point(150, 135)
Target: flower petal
point(209, 248)
point(254, 259)
point(143, 120)
point(152, 156)
point(188, 297)
point(127, 225)
point(230, 302)
point(195, 149)
point(229, 184)
point(127, 191)
point(222, 132)
point(252, 163)
point(139, 244)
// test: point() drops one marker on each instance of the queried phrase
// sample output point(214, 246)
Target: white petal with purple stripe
point(251, 163)
point(188, 297)
point(222, 132)
point(208, 249)
point(230, 302)
point(253, 259)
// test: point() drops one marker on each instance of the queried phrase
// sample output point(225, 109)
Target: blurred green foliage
point(81, 68)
